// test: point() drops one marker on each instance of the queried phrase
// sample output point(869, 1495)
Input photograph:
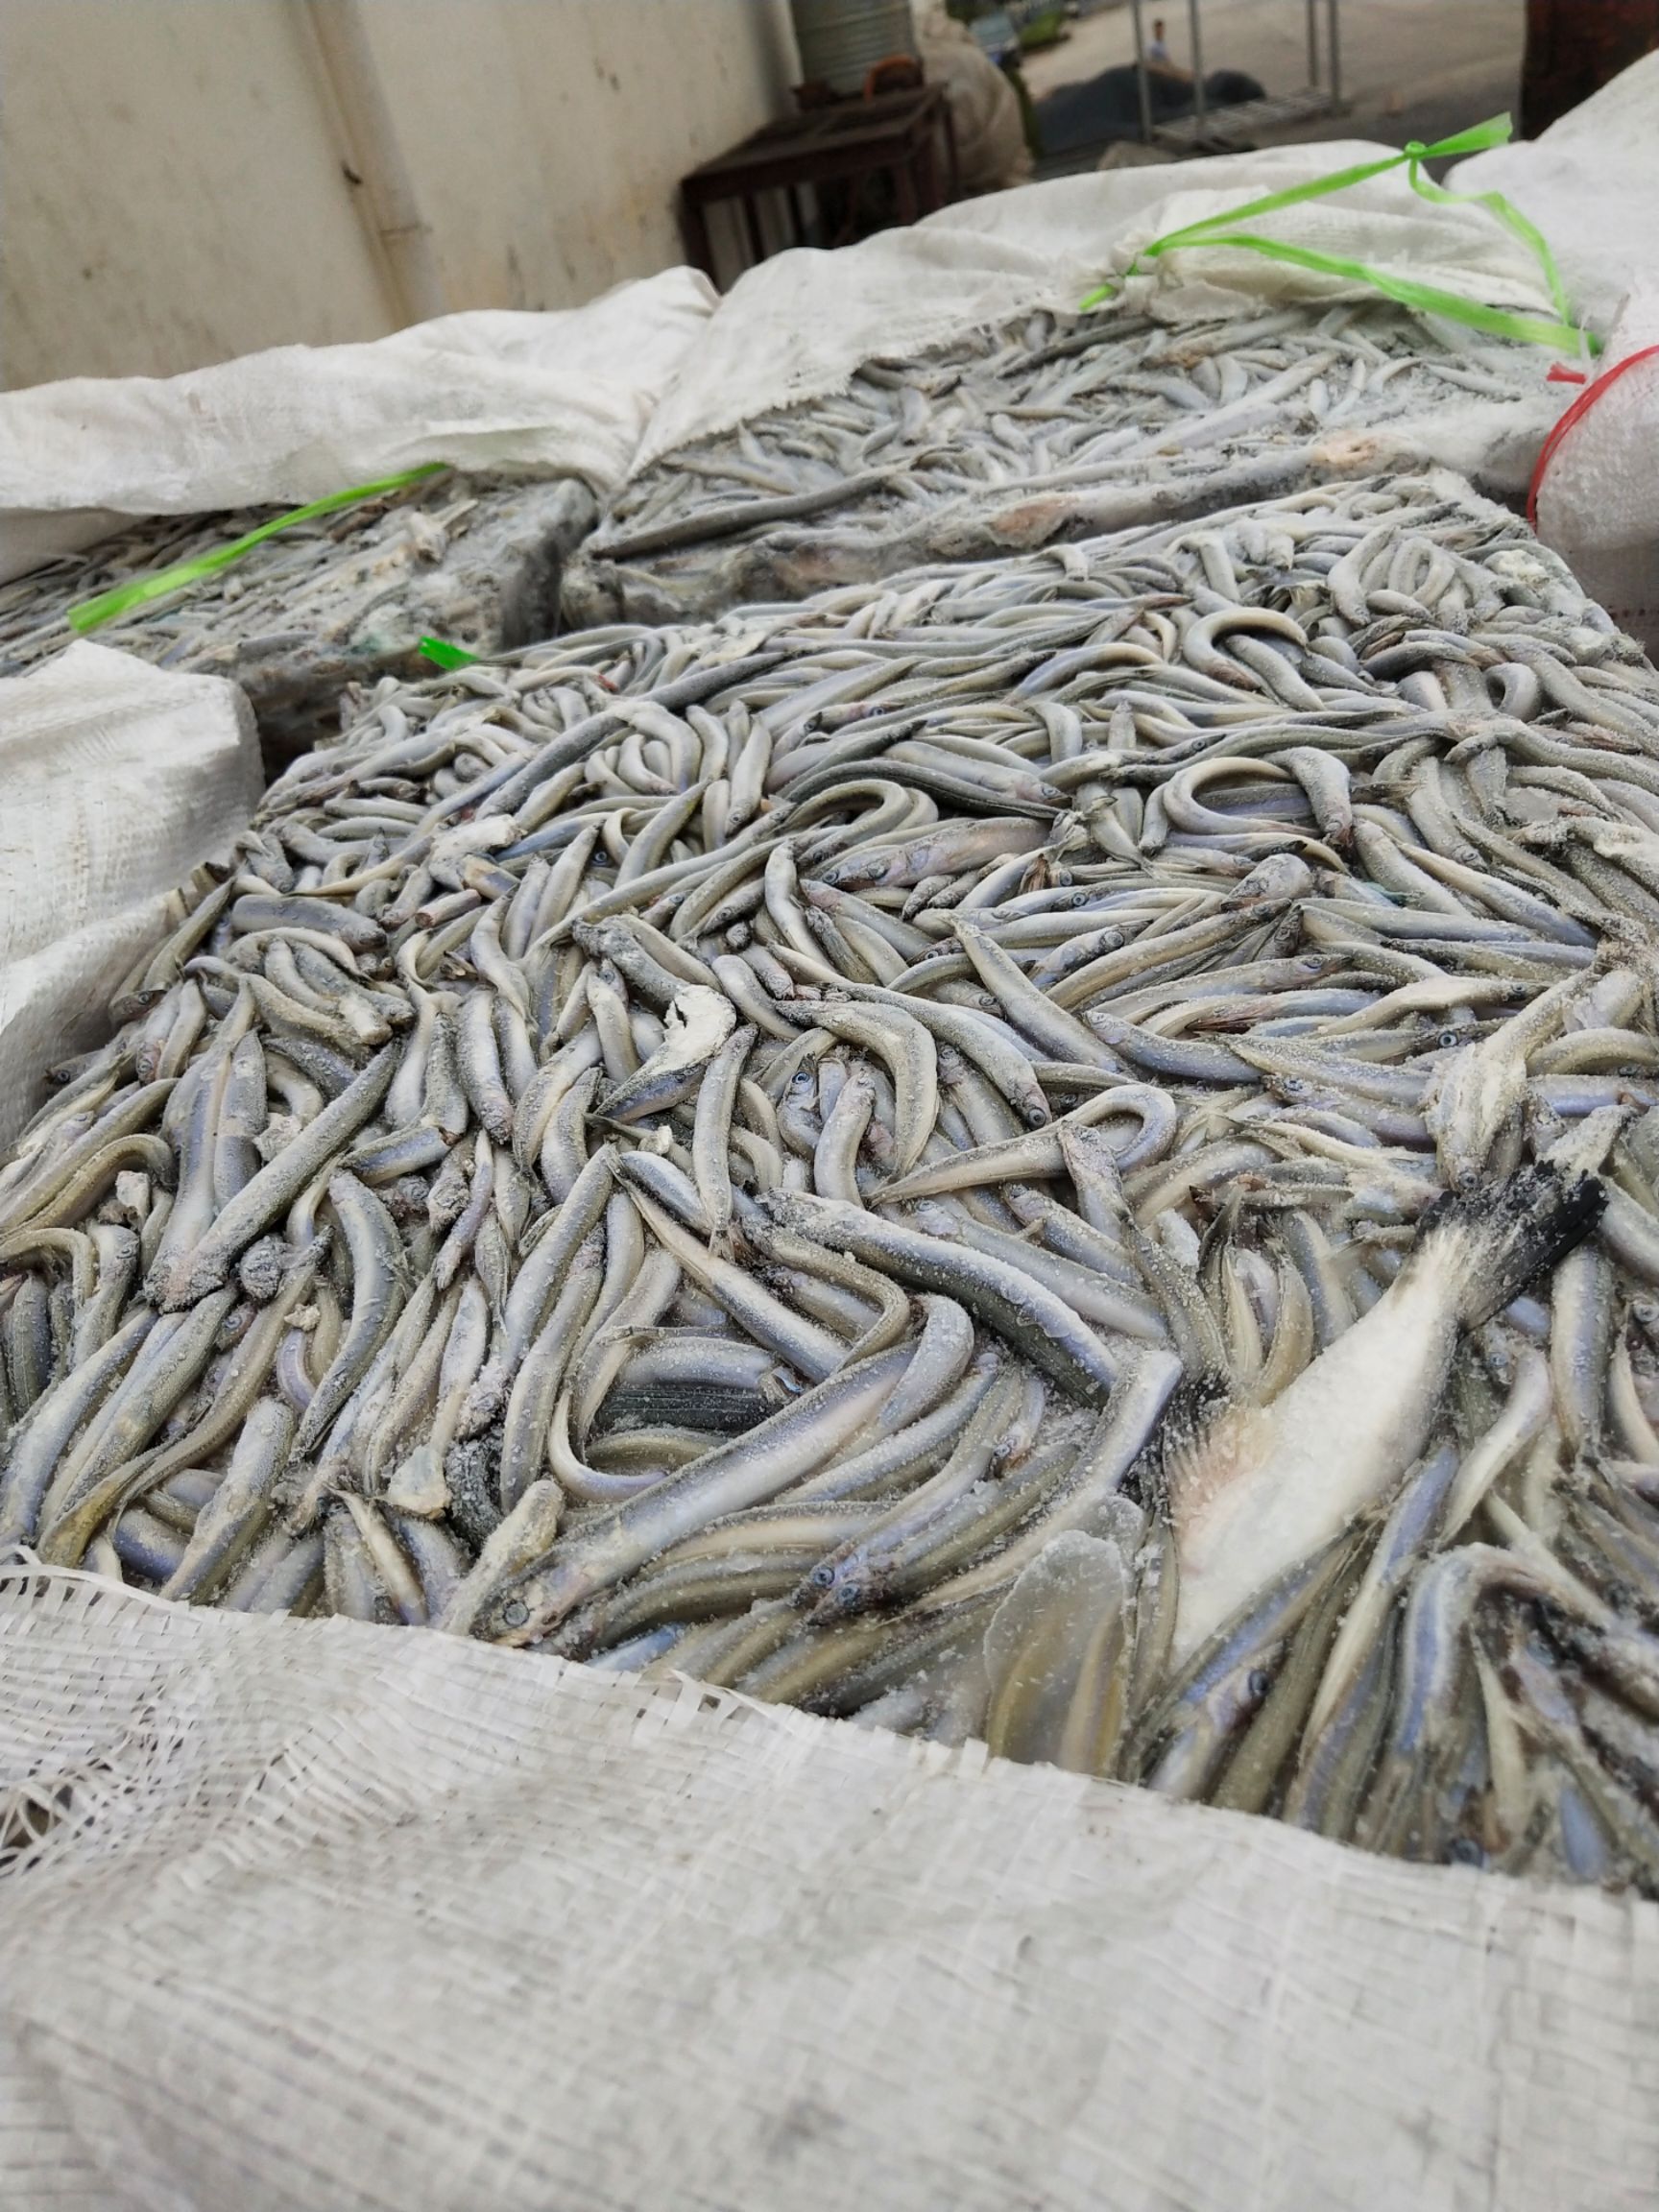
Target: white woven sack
point(797, 325)
point(56, 1003)
point(116, 779)
point(566, 394)
point(1591, 184)
point(1599, 494)
point(327, 1918)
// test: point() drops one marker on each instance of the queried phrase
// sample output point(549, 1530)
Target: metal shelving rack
point(1222, 127)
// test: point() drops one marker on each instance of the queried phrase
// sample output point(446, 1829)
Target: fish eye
point(515, 1612)
point(1464, 1851)
point(1448, 1039)
point(1035, 1116)
point(1294, 1087)
point(1258, 1684)
point(822, 1575)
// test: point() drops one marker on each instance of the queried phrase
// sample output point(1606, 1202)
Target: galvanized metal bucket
point(842, 40)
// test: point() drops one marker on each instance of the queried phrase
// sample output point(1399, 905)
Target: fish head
point(261, 1268)
point(1034, 1109)
point(1276, 880)
point(1453, 1035)
point(835, 1589)
point(779, 1386)
point(516, 1615)
point(855, 872)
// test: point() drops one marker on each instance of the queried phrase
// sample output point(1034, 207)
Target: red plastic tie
point(1580, 408)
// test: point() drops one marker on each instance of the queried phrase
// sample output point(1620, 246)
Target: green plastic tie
point(443, 655)
point(92, 614)
point(1530, 329)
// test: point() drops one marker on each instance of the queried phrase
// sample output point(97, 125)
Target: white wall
point(582, 116)
point(172, 190)
point(169, 190)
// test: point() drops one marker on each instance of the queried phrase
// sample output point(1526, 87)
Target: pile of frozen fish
point(1064, 1150)
point(1053, 426)
point(342, 599)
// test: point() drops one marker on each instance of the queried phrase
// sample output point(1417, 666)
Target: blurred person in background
point(1159, 57)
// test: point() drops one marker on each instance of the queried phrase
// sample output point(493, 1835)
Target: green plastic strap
point(1503, 322)
point(443, 655)
point(1531, 330)
point(1505, 212)
point(92, 614)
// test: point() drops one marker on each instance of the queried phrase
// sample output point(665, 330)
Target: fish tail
point(1501, 1235)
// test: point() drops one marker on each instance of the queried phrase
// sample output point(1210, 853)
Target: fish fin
point(1192, 1443)
point(1507, 1232)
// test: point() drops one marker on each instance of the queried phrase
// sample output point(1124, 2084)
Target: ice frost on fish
point(1049, 427)
point(1064, 1149)
point(1259, 1489)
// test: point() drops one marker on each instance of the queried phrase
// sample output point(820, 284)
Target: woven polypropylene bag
point(566, 394)
point(325, 1915)
point(117, 778)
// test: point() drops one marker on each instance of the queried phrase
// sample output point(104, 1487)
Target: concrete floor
point(1410, 69)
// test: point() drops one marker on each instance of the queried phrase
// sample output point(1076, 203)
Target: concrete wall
point(581, 118)
point(172, 187)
